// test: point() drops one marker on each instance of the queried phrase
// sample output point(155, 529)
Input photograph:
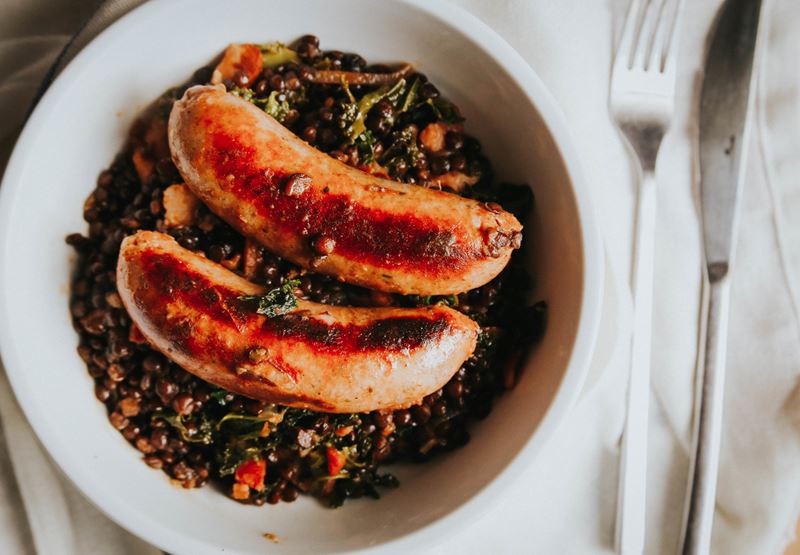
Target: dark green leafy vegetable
point(239, 424)
point(394, 92)
point(276, 54)
point(404, 149)
point(278, 109)
point(362, 106)
point(246, 94)
point(410, 99)
point(445, 110)
point(233, 456)
point(220, 396)
point(352, 117)
point(275, 302)
point(204, 433)
point(366, 147)
point(447, 300)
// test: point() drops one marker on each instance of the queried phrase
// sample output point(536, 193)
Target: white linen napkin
point(566, 502)
point(40, 510)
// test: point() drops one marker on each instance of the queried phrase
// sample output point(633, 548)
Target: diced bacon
point(241, 491)
point(180, 205)
point(251, 473)
point(343, 431)
point(432, 137)
point(336, 461)
point(244, 59)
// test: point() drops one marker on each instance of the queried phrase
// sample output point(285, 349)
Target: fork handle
point(633, 460)
point(708, 425)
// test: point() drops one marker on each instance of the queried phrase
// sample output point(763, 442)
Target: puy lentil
point(310, 134)
point(428, 91)
point(439, 165)
point(147, 396)
point(457, 162)
point(454, 140)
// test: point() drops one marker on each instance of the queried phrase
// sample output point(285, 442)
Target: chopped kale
point(202, 432)
point(276, 104)
point(366, 147)
point(446, 300)
point(410, 99)
point(357, 125)
point(275, 302)
point(276, 54)
point(445, 110)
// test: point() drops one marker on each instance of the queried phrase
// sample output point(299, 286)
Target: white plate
point(82, 122)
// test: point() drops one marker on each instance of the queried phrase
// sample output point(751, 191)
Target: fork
point(642, 102)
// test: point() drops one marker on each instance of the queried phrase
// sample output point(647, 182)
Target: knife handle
point(631, 497)
point(704, 465)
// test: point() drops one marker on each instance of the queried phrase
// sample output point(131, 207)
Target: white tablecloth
point(566, 501)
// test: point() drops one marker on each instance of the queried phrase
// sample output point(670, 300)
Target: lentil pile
point(256, 452)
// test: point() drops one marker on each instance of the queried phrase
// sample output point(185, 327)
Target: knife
point(725, 102)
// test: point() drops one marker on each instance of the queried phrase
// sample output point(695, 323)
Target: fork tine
point(671, 59)
point(660, 36)
point(665, 44)
point(645, 41)
point(629, 34)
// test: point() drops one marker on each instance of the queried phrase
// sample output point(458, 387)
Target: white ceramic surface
point(82, 122)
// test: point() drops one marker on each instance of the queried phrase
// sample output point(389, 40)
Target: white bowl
point(82, 122)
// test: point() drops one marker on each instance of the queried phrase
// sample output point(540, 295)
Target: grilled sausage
point(320, 357)
point(322, 214)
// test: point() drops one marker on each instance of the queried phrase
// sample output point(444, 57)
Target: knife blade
point(725, 102)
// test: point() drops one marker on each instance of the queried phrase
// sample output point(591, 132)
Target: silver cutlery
point(724, 105)
point(642, 102)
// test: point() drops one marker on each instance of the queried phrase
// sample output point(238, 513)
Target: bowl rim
point(568, 391)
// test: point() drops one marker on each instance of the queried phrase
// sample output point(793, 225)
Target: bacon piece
point(240, 60)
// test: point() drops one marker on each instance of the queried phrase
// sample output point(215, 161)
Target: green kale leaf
point(366, 103)
point(276, 302)
point(271, 105)
point(203, 433)
point(366, 147)
point(276, 54)
point(445, 110)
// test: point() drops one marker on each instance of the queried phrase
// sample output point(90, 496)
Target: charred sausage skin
point(320, 357)
point(273, 187)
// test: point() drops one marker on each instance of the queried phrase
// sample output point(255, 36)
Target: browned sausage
point(320, 213)
point(320, 357)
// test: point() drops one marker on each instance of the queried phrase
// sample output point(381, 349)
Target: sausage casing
point(320, 357)
point(322, 214)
